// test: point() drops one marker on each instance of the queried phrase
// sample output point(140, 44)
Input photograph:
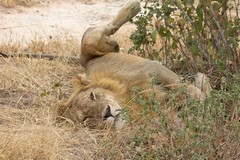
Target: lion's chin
point(117, 123)
point(120, 123)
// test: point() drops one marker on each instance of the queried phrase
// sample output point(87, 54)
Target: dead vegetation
point(30, 91)
point(13, 3)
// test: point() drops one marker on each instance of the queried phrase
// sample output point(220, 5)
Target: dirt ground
point(55, 18)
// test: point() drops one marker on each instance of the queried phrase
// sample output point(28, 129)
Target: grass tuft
point(13, 3)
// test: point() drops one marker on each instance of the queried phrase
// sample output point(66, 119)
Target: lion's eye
point(92, 96)
point(108, 112)
point(108, 43)
point(85, 118)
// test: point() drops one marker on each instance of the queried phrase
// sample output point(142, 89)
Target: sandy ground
point(55, 19)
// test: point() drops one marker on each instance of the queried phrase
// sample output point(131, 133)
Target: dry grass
point(13, 3)
point(30, 91)
point(28, 98)
point(62, 46)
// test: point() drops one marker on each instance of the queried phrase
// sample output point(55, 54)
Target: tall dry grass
point(30, 92)
point(13, 3)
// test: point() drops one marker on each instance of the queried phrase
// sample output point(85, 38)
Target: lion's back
point(130, 69)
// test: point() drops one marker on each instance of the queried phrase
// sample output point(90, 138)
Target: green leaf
point(154, 36)
point(199, 25)
point(170, 20)
point(195, 50)
point(199, 12)
point(155, 54)
point(199, 22)
point(189, 1)
point(174, 45)
point(164, 32)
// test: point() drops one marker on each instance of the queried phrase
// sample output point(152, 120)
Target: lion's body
point(114, 75)
point(132, 70)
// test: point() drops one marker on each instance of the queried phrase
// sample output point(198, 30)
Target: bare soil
point(51, 19)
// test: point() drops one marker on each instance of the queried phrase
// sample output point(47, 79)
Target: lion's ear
point(81, 80)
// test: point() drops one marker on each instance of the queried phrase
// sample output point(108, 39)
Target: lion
point(101, 93)
point(99, 100)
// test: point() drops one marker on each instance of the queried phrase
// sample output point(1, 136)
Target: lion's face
point(96, 108)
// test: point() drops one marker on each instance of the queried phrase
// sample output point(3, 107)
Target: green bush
point(204, 37)
point(201, 37)
point(211, 129)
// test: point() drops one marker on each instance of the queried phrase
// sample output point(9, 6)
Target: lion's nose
point(108, 112)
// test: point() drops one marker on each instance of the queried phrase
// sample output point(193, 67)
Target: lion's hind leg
point(202, 82)
point(200, 88)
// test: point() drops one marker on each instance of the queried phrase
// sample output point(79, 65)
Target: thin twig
point(236, 6)
point(199, 43)
point(220, 30)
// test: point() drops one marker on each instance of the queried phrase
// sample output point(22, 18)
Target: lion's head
point(96, 103)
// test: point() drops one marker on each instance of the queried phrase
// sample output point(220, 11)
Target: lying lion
point(101, 93)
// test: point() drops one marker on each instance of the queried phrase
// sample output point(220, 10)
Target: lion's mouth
point(108, 113)
point(115, 121)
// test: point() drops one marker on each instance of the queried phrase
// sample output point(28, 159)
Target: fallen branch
point(74, 59)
